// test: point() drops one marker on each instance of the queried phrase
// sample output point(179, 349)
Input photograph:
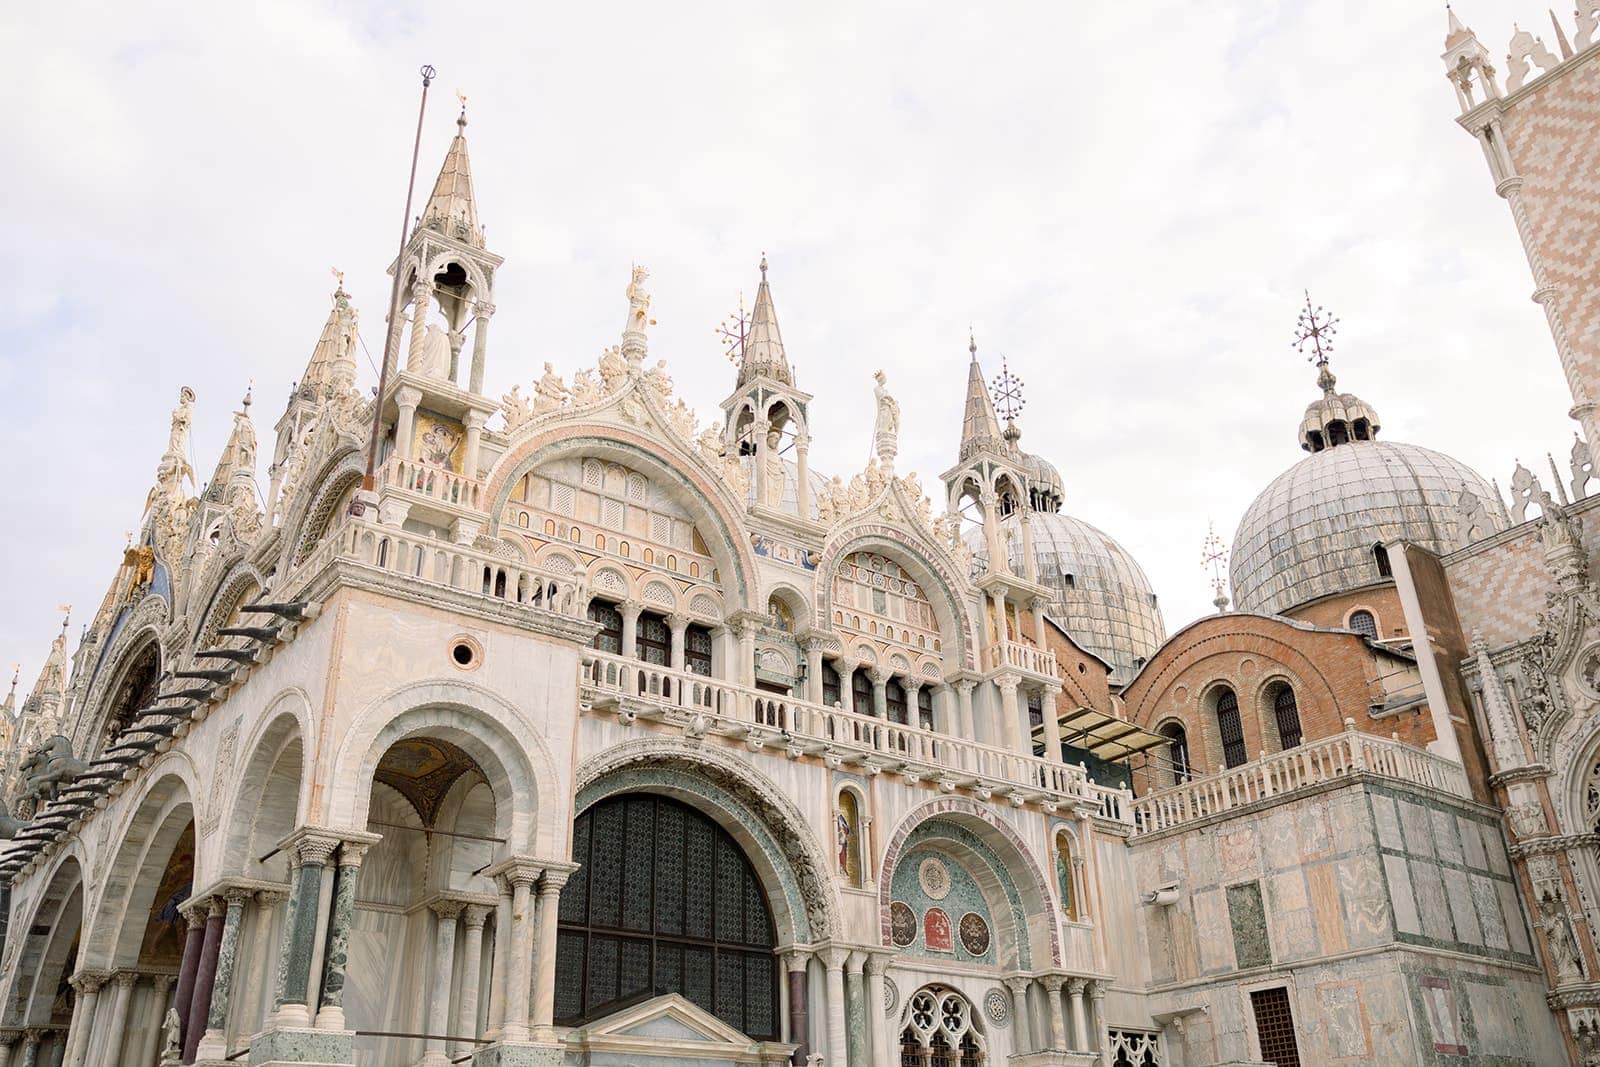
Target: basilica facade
point(572, 728)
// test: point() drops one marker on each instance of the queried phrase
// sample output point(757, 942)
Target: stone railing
point(1329, 759)
point(799, 727)
point(1022, 657)
point(434, 562)
point(433, 483)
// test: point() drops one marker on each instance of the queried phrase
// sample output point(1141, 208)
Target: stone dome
point(1101, 595)
point(1311, 532)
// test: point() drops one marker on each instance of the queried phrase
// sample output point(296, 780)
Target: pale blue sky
point(1126, 200)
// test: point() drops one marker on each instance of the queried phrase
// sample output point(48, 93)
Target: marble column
point(336, 957)
point(473, 918)
point(813, 647)
point(204, 982)
point(1058, 1024)
point(880, 1055)
point(799, 1033)
point(498, 966)
point(802, 462)
point(679, 624)
point(116, 1028)
point(880, 692)
point(855, 1011)
point(421, 294)
point(445, 913)
point(1080, 1025)
point(1052, 726)
point(1102, 1038)
point(1023, 1041)
point(630, 628)
point(1039, 604)
point(196, 917)
point(473, 421)
point(483, 311)
point(157, 1013)
point(833, 968)
point(214, 1043)
point(544, 984)
point(30, 1047)
point(758, 431)
point(964, 707)
point(406, 399)
point(300, 933)
point(8, 1043)
point(1010, 714)
point(83, 1013)
point(520, 948)
point(259, 989)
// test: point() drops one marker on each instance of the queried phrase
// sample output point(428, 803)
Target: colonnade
point(1059, 1013)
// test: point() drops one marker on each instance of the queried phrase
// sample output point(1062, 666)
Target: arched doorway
point(422, 932)
point(43, 995)
point(665, 901)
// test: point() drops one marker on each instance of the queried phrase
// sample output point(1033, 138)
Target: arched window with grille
point(1287, 714)
point(925, 707)
point(832, 693)
point(861, 692)
point(1231, 728)
point(609, 639)
point(664, 901)
point(894, 699)
point(1363, 622)
point(940, 1029)
point(1177, 751)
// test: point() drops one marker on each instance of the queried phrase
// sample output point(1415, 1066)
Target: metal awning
point(1106, 736)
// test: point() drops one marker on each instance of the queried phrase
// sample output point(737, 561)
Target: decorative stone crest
point(934, 878)
point(997, 1006)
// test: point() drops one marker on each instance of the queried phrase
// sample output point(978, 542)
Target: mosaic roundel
point(934, 877)
point(974, 933)
point(902, 923)
point(891, 995)
point(997, 1005)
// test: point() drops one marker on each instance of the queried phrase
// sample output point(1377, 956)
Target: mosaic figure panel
point(847, 838)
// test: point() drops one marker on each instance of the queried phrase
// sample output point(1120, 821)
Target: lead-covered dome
point(1101, 595)
point(1315, 530)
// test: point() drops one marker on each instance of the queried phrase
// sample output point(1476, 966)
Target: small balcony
point(432, 484)
point(1019, 657)
point(1330, 759)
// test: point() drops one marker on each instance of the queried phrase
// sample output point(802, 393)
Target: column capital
point(445, 908)
point(407, 396)
point(351, 853)
point(85, 982)
point(965, 686)
point(855, 962)
point(833, 957)
point(795, 957)
point(219, 906)
point(1018, 984)
point(555, 876)
point(1007, 683)
point(126, 979)
point(631, 607)
point(474, 420)
point(162, 982)
point(475, 915)
point(271, 898)
point(679, 621)
point(483, 309)
point(516, 870)
point(1097, 989)
point(32, 1035)
point(877, 963)
point(238, 894)
point(1038, 603)
point(195, 910)
point(314, 845)
point(1053, 982)
point(880, 674)
point(1076, 986)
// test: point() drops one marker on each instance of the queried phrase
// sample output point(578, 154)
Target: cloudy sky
point(1126, 200)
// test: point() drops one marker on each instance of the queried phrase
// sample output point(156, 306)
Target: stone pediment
point(670, 1027)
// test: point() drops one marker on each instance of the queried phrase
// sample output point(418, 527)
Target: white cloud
point(1125, 200)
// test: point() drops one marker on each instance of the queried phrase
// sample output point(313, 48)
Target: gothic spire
point(238, 460)
point(980, 428)
point(763, 345)
point(333, 360)
point(451, 210)
point(44, 700)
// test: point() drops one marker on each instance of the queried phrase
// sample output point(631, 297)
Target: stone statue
point(710, 445)
point(825, 509)
point(613, 369)
point(549, 392)
point(182, 416)
point(682, 419)
point(1472, 518)
point(839, 496)
point(9, 825)
point(515, 408)
point(774, 470)
point(638, 302)
point(660, 383)
point(733, 474)
point(1582, 463)
point(585, 390)
point(434, 361)
point(51, 766)
point(1558, 937)
point(886, 429)
point(171, 1039)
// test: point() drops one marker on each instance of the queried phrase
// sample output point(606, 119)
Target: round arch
point(773, 832)
point(935, 577)
point(505, 744)
point(705, 496)
point(226, 596)
point(273, 783)
point(49, 939)
point(1037, 918)
point(147, 839)
point(137, 660)
point(314, 512)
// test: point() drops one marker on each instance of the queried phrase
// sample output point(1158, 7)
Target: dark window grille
point(1036, 722)
point(664, 902)
point(861, 693)
point(697, 650)
point(925, 708)
point(654, 640)
point(1233, 750)
point(1177, 751)
point(1275, 1027)
point(1363, 622)
point(894, 699)
point(1380, 556)
point(1288, 715)
point(609, 639)
point(831, 692)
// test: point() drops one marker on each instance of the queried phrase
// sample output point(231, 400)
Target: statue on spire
point(886, 428)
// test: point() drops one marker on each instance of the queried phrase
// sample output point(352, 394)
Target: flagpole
point(368, 481)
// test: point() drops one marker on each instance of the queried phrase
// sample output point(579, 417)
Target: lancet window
point(940, 1031)
point(1231, 728)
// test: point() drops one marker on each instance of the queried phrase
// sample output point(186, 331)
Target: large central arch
point(773, 833)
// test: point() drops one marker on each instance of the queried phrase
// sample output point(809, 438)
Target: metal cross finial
point(1315, 327)
point(1008, 397)
point(735, 331)
point(1214, 557)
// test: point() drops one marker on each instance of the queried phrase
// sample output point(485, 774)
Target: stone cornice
point(1543, 846)
point(1533, 772)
